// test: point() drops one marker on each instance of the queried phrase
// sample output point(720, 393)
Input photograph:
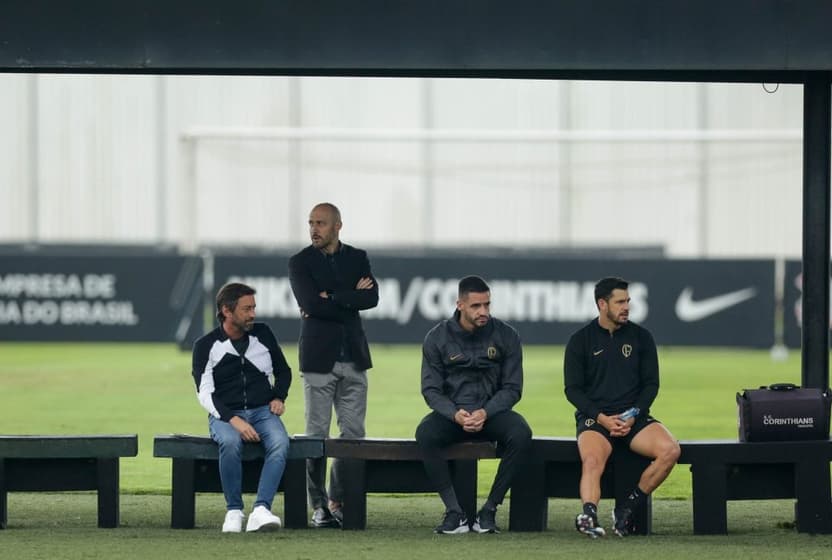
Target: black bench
point(553, 470)
point(721, 470)
point(196, 469)
point(396, 465)
point(56, 463)
point(725, 470)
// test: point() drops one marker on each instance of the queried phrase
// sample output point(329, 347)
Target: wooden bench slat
point(382, 449)
point(63, 446)
point(203, 447)
point(736, 452)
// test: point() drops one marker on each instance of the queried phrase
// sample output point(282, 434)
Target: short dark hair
point(230, 294)
point(605, 286)
point(472, 284)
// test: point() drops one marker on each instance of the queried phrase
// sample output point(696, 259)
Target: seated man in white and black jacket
point(242, 380)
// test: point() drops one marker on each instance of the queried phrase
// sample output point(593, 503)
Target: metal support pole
point(296, 218)
point(162, 214)
point(704, 172)
point(189, 201)
point(817, 119)
point(566, 232)
point(33, 202)
point(428, 165)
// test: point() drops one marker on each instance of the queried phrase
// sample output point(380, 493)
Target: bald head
point(324, 226)
point(331, 208)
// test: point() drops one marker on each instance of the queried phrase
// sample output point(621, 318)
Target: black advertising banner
point(683, 302)
point(99, 298)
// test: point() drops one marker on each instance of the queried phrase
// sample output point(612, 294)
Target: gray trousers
point(345, 390)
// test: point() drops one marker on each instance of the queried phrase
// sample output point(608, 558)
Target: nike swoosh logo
point(598, 352)
point(455, 357)
point(689, 310)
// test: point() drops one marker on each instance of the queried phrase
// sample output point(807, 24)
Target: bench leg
point(354, 473)
point(464, 479)
point(529, 504)
point(294, 494)
point(4, 504)
point(710, 491)
point(108, 492)
point(813, 509)
point(183, 494)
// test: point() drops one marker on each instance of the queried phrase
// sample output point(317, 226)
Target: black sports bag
point(783, 412)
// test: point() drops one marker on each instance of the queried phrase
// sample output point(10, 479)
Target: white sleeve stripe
point(206, 389)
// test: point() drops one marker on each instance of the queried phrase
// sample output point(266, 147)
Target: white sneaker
point(262, 519)
point(233, 521)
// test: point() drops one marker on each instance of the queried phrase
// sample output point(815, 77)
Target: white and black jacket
point(227, 381)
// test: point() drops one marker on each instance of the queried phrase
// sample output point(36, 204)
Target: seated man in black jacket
point(242, 380)
point(472, 376)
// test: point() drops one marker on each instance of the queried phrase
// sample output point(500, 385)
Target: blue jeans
point(273, 438)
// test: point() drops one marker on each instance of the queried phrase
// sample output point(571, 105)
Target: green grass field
point(147, 389)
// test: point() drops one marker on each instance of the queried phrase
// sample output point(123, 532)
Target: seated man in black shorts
point(611, 376)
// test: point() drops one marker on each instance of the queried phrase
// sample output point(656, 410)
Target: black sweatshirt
point(472, 370)
point(610, 373)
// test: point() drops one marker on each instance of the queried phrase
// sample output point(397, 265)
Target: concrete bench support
point(395, 465)
point(195, 468)
point(35, 463)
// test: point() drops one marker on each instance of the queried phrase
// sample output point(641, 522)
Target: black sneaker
point(454, 523)
point(622, 521)
point(486, 521)
point(322, 518)
point(588, 525)
point(338, 515)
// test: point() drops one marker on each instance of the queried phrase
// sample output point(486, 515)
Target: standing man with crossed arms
point(611, 376)
point(332, 282)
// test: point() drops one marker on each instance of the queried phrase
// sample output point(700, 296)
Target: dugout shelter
point(754, 41)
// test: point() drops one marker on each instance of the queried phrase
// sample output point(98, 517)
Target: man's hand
point(277, 407)
point(614, 425)
point(461, 416)
point(324, 294)
point(365, 283)
point(247, 432)
point(470, 421)
point(475, 420)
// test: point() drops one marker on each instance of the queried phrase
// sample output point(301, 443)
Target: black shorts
point(586, 423)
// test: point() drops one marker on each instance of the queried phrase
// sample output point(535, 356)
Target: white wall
point(15, 144)
point(108, 159)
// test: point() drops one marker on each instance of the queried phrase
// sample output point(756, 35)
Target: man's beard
point(615, 320)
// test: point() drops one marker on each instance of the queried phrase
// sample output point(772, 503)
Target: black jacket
point(226, 381)
point(472, 370)
point(331, 322)
point(609, 373)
